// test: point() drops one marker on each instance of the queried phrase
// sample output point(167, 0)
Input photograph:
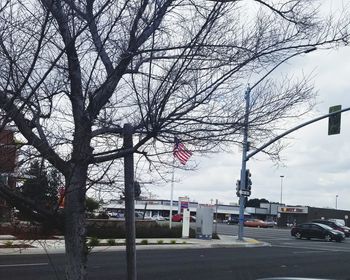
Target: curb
point(249, 245)
point(57, 246)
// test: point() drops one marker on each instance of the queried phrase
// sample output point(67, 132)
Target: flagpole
point(182, 154)
point(172, 194)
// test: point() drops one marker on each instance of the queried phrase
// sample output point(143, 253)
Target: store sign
point(183, 203)
point(295, 210)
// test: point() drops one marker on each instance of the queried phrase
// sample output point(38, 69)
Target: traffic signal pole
point(129, 205)
point(242, 190)
point(257, 150)
point(244, 165)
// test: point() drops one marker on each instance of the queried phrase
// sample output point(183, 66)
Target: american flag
point(180, 151)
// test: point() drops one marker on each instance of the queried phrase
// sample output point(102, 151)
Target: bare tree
point(74, 72)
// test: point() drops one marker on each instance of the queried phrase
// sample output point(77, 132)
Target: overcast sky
point(315, 166)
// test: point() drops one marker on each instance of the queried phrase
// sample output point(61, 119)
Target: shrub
point(172, 241)
point(160, 241)
point(94, 241)
point(111, 242)
point(144, 229)
point(144, 242)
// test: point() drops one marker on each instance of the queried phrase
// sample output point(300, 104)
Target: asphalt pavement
point(286, 257)
point(192, 264)
point(282, 238)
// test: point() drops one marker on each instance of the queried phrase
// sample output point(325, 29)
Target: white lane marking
point(310, 252)
point(22, 264)
point(273, 238)
point(329, 249)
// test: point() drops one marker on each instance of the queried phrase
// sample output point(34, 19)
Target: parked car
point(338, 221)
point(115, 215)
point(158, 218)
point(256, 223)
point(139, 216)
point(178, 218)
point(271, 223)
point(102, 215)
point(319, 231)
point(233, 221)
point(334, 225)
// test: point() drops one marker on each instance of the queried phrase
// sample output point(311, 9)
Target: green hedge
point(144, 229)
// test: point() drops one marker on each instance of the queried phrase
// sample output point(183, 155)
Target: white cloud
point(317, 166)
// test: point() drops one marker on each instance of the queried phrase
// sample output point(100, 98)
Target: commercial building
point(288, 215)
point(280, 213)
point(155, 207)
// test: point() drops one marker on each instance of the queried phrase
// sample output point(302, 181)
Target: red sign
point(7, 152)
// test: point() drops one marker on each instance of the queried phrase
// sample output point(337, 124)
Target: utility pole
point(244, 165)
point(216, 216)
point(282, 176)
point(129, 204)
point(336, 202)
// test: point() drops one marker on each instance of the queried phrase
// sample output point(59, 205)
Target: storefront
point(289, 215)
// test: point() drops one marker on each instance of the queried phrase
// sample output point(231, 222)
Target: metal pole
point(281, 188)
point(261, 148)
point(244, 164)
point(336, 202)
point(129, 204)
point(216, 216)
point(172, 195)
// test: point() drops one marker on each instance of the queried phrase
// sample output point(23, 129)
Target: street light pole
point(336, 202)
point(244, 165)
point(282, 176)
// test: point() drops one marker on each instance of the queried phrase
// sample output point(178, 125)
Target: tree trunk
point(75, 224)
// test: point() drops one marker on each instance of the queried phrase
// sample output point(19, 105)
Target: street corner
point(251, 242)
point(232, 241)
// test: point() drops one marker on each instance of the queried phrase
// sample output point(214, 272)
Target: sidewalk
point(57, 245)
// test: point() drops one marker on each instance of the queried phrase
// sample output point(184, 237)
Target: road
point(196, 264)
point(286, 257)
point(282, 238)
point(271, 235)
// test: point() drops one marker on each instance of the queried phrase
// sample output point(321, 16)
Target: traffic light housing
point(334, 120)
point(248, 181)
point(238, 183)
point(137, 189)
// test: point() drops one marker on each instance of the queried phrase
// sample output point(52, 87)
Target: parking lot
point(282, 238)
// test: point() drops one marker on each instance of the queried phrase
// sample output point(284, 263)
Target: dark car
point(334, 225)
point(233, 221)
point(319, 231)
